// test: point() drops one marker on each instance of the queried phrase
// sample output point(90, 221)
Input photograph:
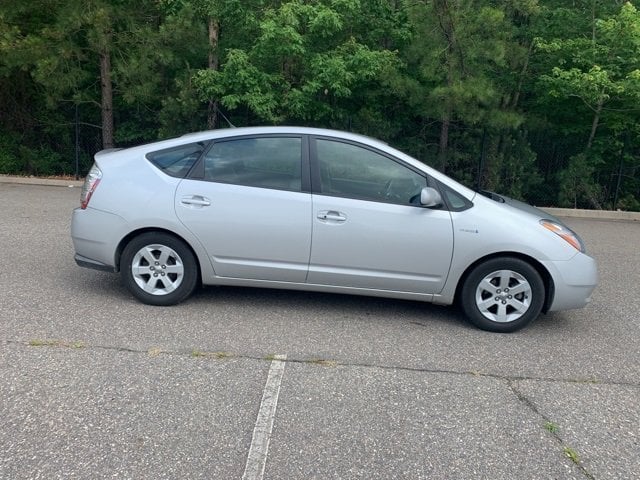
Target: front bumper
point(574, 281)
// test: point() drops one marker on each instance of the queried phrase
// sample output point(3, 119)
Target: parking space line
point(257, 458)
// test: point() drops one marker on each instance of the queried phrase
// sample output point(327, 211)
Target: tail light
point(90, 185)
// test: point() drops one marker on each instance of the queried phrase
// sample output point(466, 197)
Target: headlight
point(564, 233)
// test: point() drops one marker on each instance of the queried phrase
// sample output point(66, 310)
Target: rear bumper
point(574, 281)
point(95, 236)
point(88, 263)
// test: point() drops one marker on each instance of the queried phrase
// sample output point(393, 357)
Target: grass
point(568, 451)
point(55, 343)
point(44, 343)
point(588, 381)
point(572, 454)
point(324, 363)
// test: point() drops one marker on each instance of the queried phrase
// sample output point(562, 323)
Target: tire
point(502, 295)
point(159, 269)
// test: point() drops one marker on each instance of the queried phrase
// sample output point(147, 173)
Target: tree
point(539, 100)
point(465, 68)
point(81, 31)
point(601, 72)
point(105, 54)
point(305, 65)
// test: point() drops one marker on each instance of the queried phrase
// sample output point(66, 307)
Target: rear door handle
point(196, 201)
point(332, 216)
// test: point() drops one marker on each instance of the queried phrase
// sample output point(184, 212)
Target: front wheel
point(502, 295)
point(159, 269)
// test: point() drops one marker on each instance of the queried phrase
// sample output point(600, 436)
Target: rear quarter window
point(177, 161)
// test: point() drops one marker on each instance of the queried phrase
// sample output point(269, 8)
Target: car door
point(369, 230)
point(247, 204)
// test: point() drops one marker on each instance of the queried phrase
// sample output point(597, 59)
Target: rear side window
point(177, 161)
point(266, 162)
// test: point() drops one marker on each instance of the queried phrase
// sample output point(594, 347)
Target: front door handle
point(196, 201)
point(332, 216)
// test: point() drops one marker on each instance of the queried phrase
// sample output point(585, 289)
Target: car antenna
point(225, 117)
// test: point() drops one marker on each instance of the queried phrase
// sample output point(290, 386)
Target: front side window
point(453, 199)
point(267, 162)
point(177, 161)
point(351, 171)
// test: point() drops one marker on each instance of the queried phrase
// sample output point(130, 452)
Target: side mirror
point(430, 197)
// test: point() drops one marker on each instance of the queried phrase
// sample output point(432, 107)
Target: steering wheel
point(388, 192)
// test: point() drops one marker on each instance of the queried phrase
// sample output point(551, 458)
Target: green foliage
point(16, 158)
point(537, 100)
point(9, 162)
point(602, 68)
point(572, 454)
point(518, 175)
point(551, 427)
point(578, 188)
point(306, 65)
point(590, 96)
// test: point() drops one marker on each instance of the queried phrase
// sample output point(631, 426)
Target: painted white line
point(257, 458)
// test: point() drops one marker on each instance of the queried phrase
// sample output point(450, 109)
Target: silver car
point(313, 209)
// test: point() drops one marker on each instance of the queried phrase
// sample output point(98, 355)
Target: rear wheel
point(159, 269)
point(503, 295)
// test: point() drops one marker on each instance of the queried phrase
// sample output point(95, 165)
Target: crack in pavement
point(221, 355)
point(531, 406)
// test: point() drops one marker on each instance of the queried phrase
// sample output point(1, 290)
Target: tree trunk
point(214, 33)
point(594, 124)
point(448, 31)
point(523, 74)
point(444, 141)
point(594, 128)
point(106, 88)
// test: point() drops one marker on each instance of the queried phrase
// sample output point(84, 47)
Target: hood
point(525, 207)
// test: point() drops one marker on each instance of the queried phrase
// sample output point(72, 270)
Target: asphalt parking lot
point(94, 384)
